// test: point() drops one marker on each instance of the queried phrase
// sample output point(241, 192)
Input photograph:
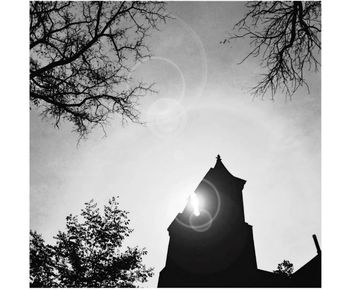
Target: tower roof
point(218, 161)
point(220, 167)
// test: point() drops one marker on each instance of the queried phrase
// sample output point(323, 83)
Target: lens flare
point(195, 204)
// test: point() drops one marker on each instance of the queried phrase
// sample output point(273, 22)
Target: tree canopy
point(81, 56)
point(285, 269)
point(89, 253)
point(286, 37)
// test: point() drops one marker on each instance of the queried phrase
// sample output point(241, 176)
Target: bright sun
point(195, 204)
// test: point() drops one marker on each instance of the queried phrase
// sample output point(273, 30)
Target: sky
point(203, 108)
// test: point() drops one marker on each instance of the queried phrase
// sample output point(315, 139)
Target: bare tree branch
point(81, 55)
point(286, 35)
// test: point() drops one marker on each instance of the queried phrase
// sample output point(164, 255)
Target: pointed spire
point(221, 167)
point(218, 161)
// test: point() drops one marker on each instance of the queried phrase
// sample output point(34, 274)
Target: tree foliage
point(42, 269)
point(89, 253)
point(286, 36)
point(285, 269)
point(81, 56)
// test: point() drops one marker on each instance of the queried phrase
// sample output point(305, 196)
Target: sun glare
point(195, 204)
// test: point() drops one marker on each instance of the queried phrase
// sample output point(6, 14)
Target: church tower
point(210, 243)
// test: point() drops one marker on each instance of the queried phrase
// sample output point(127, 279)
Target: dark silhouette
point(88, 253)
point(42, 264)
point(211, 245)
point(285, 268)
point(310, 274)
point(286, 35)
point(81, 56)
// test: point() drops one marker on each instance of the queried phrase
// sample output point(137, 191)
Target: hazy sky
point(202, 109)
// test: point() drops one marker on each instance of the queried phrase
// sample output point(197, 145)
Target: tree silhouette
point(81, 55)
point(286, 35)
point(42, 269)
point(89, 253)
point(285, 268)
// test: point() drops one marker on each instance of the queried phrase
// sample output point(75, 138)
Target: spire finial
point(218, 158)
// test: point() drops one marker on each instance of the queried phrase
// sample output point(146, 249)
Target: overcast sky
point(202, 109)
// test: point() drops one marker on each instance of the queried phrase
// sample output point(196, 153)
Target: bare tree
point(81, 55)
point(286, 35)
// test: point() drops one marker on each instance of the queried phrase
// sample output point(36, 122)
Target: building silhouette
point(215, 247)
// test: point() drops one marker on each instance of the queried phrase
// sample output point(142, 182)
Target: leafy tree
point(285, 269)
point(42, 269)
point(81, 55)
point(286, 35)
point(89, 253)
